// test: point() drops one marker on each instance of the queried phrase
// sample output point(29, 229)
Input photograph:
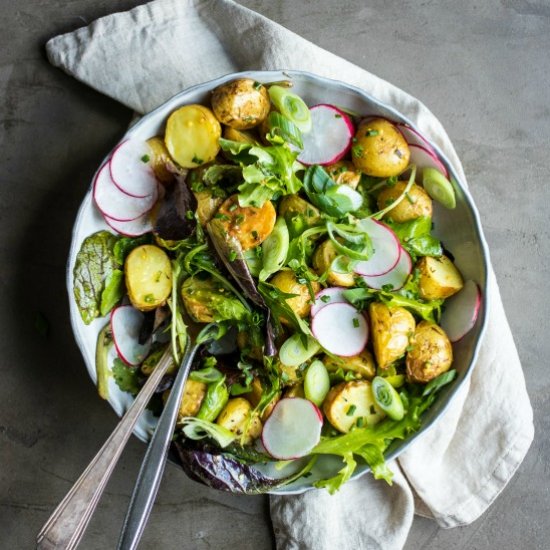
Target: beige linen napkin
point(454, 471)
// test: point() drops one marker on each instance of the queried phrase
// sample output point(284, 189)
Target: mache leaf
point(94, 265)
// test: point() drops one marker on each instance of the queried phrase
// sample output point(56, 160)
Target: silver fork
point(154, 461)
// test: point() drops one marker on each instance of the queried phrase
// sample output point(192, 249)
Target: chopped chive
point(190, 214)
point(351, 410)
point(325, 299)
point(372, 133)
point(360, 422)
point(355, 322)
point(233, 207)
point(239, 218)
point(257, 85)
point(196, 160)
point(145, 158)
point(220, 216)
point(232, 255)
point(337, 116)
point(255, 235)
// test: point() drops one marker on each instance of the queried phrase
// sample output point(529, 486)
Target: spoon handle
point(67, 524)
point(152, 467)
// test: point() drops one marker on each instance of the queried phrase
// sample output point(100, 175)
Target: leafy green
point(276, 300)
point(415, 236)
point(113, 291)
point(94, 264)
point(128, 379)
point(324, 193)
point(438, 382)
point(268, 172)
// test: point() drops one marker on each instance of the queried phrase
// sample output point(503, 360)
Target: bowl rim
point(273, 76)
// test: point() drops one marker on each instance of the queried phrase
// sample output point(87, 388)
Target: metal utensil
point(154, 461)
point(67, 524)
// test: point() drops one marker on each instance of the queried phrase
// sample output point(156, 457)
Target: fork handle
point(154, 461)
point(67, 524)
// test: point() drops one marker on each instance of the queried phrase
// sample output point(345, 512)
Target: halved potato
point(248, 224)
point(191, 401)
point(241, 104)
point(392, 328)
point(431, 353)
point(323, 257)
point(343, 172)
point(380, 149)
point(348, 402)
point(192, 135)
point(362, 364)
point(237, 417)
point(148, 275)
point(439, 278)
point(301, 303)
point(242, 136)
point(415, 204)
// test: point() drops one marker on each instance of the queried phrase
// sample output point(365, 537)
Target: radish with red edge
point(126, 323)
point(422, 158)
point(292, 429)
point(332, 295)
point(131, 228)
point(341, 329)
point(387, 249)
point(115, 204)
point(330, 137)
point(413, 137)
point(131, 170)
point(461, 311)
point(395, 277)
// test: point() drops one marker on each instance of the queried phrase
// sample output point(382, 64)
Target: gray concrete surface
point(482, 67)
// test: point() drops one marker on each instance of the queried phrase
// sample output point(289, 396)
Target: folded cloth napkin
point(454, 471)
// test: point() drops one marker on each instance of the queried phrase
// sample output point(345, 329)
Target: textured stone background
point(482, 67)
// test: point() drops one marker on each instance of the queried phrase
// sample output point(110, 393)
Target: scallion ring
point(387, 398)
point(291, 106)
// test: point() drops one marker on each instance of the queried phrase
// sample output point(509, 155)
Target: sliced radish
point(115, 204)
point(461, 311)
point(386, 249)
point(292, 429)
point(413, 137)
point(330, 137)
point(423, 158)
point(126, 323)
point(132, 228)
point(395, 277)
point(341, 329)
point(131, 169)
point(332, 295)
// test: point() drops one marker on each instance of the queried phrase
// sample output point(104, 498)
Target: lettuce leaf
point(416, 238)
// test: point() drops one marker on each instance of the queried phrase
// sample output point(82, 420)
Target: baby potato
point(347, 402)
point(191, 401)
point(192, 135)
point(380, 149)
point(343, 172)
point(237, 417)
point(148, 276)
point(286, 282)
point(439, 278)
point(248, 224)
point(431, 353)
point(161, 160)
point(322, 260)
point(241, 104)
point(391, 329)
point(362, 364)
point(242, 136)
point(415, 204)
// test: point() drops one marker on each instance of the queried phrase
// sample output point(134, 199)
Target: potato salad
point(303, 235)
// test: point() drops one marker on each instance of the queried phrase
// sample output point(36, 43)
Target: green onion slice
point(275, 249)
point(281, 126)
point(387, 398)
point(291, 106)
point(316, 382)
point(438, 187)
point(297, 349)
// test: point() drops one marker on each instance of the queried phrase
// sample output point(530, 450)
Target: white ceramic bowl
point(459, 229)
